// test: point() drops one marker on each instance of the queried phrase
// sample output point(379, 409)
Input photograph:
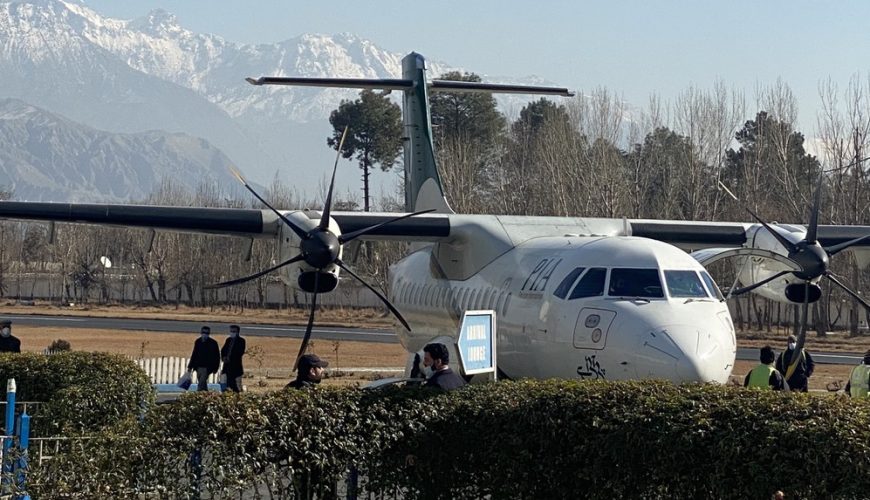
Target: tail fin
point(423, 189)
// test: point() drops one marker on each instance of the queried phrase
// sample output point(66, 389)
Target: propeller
point(812, 259)
point(319, 249)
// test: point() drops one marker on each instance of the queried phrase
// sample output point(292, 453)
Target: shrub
point(59, 345)
point(528, 439)
point(81, 392)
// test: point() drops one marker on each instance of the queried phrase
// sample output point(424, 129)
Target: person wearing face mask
point(8, 342)
point(309, 372)
point(799, 380)
point(436, 358)
point(205, 358)
point(231, 355)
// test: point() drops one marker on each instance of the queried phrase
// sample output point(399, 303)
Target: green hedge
point(554, 439)
point(81, 392)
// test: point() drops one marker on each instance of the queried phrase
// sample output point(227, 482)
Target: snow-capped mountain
point(152, 73)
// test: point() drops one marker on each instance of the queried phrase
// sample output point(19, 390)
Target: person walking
point(205, 358)
point(436, 357)
point(8, 342)
point(765, 376)
point(799, 380)
point(859, 380)
point(231, 355)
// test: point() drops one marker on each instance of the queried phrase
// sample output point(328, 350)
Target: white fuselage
point(579, 307)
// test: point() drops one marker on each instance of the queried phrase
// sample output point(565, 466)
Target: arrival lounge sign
point(476, 343)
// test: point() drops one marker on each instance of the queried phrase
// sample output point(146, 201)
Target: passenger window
point(565, 285)
point(626, 282)
point(591, 284)
point(684, 284)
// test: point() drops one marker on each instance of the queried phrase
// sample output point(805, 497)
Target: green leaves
point(523, 439)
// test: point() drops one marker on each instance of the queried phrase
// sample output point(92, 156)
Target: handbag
point(184, 381)
point(223, 381)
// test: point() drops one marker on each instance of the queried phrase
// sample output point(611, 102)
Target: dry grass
point(268, 363)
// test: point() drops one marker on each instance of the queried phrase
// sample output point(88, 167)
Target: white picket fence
point(168, 369)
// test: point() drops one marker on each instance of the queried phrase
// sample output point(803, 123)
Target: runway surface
point(327, 333)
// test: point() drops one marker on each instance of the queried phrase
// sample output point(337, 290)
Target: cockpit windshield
point(627, 282)
point(711, 285)
point(684, 284)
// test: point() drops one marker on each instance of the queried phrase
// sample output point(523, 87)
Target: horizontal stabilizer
point(350, 83)
point(401, 84)
point(495, 88)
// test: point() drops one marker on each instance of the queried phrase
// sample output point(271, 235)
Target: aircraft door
point(590, 331)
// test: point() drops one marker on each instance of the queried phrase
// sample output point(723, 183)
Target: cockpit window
point(684, 284)
point(591, 284)
point(711, 285)
point(565, 285)
point(625, 282)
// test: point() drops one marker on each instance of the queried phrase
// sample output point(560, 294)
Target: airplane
point(577, 298)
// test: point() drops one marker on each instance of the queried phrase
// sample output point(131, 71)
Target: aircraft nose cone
point(688, 353)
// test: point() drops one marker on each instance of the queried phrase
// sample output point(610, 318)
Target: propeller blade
point(255, 276)
point(327, 205)
point(386, 302)
point(802, 333)
point(304, 344)
point(298, 230)
point(753, 286)
point(344, 238)
point(813, 227)
point(833, 250)
point(780, 238)
point(846, 289)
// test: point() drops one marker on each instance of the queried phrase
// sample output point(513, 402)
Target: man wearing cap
point(8, 342)
point(205, 358)
point(231, 355)
point(799, 380)
point(765, 376)
point(310, 372)
point(859, 380)
point(436, 357)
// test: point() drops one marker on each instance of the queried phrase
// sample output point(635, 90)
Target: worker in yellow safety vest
point(859, 381)
point(765, 376)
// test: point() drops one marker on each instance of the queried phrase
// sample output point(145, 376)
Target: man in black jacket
point(231, 355)
point(436, 357)
point(309, 372)
point(205, 358)
point(8, 342)
point(802, 372)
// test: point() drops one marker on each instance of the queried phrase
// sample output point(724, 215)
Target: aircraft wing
point(249, 223)
point(694, 235)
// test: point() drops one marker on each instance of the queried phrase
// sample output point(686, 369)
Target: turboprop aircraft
point(575, 297)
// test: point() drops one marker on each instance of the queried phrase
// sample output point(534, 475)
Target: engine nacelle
point(762, 257)
point(300, 275)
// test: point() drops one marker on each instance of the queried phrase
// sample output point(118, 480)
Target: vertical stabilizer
point(423, 189)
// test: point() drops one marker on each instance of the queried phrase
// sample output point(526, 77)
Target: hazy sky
point(631, 48)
